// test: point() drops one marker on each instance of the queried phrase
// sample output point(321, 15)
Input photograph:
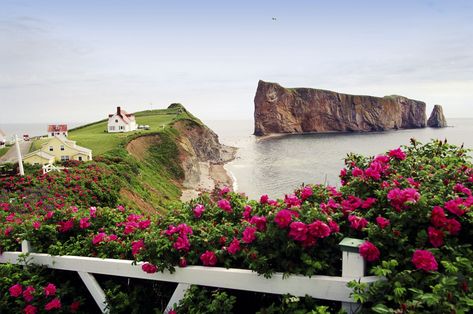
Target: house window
point(52, 134)
point(80, 158)
point(51, 148)
point(111, 128)
point(62, 147)
point(116, 120)
point(122, 127)
point(64, 158)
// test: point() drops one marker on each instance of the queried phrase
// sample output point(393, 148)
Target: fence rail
point(319, 287)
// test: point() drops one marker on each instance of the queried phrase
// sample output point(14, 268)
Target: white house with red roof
point(57, 130)
point(121, 121)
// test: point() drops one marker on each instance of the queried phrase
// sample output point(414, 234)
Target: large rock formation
point(437, 119)
point(298, 110)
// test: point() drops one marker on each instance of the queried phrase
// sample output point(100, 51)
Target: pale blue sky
point(78, 60)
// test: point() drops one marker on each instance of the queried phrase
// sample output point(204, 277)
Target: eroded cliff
point(202, 157)
point(299, 110)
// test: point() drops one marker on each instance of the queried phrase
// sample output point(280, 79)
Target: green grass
point(37, 144)
point(4, 150)
point(95, 136)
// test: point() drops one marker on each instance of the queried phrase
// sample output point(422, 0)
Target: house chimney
point(119, 111)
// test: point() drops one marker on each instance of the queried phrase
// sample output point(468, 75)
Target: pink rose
point(382, 222)
point(36, 225)
point(264, 199)
point(225, 205)
point(224, 190)
point(30, 309)
point(137, 246)
point(50, 290)
point(182, 243)
point(53, 304)
point(249, 235)
point(93, 211)
point(398, 198)
point(357, 172)
point(84, 223)
point(149, 268)
point(259, 222)
point(292, 200)
point(208, 258)
point(298, 231)
point(435, 236)
point(333, 226)
point(28, 293)
point(455, 206)
point(369, 251)
point(15, 290)
point(75, 306)
point(425, 260)
point(184, 229)
point(65, 226)
point(182, 262)
point(283, 218)
point(198, 210)
point(397, 153)
point(247, 212)
point(306, 192)
point(97, 239)
point(319, 229)
point(453, 226)
point(368, 203)
point(438, 217)
point(234, 247)
point(357, 223)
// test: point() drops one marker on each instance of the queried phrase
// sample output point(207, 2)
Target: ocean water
point(276, 166)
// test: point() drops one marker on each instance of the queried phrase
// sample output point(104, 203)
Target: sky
point(70, 61)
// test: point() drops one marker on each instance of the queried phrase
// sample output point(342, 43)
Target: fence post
point(177, 296)
point(353, 266)
point(26, 247)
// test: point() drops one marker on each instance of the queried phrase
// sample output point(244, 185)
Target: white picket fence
point(319, 287)
point(50, 167)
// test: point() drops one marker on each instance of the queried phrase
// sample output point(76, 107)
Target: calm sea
point(277, 166)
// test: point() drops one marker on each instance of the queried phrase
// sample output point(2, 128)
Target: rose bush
point(412, 206)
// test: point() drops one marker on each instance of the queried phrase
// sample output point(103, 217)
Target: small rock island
point(301, 110)
point(437, 119)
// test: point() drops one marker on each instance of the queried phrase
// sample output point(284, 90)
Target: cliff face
point(202, 157)
point(283, 110)
point(437, 119)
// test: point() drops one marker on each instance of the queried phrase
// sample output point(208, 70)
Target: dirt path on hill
point(10, 156)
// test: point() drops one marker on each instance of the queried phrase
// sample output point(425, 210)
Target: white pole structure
point(353, 266)
point(18, 154)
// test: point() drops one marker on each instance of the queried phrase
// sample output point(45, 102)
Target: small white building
point(57, 130)
point(121, 121)
point(3, 139)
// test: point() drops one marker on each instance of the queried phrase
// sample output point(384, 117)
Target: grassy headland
point(149, 179)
